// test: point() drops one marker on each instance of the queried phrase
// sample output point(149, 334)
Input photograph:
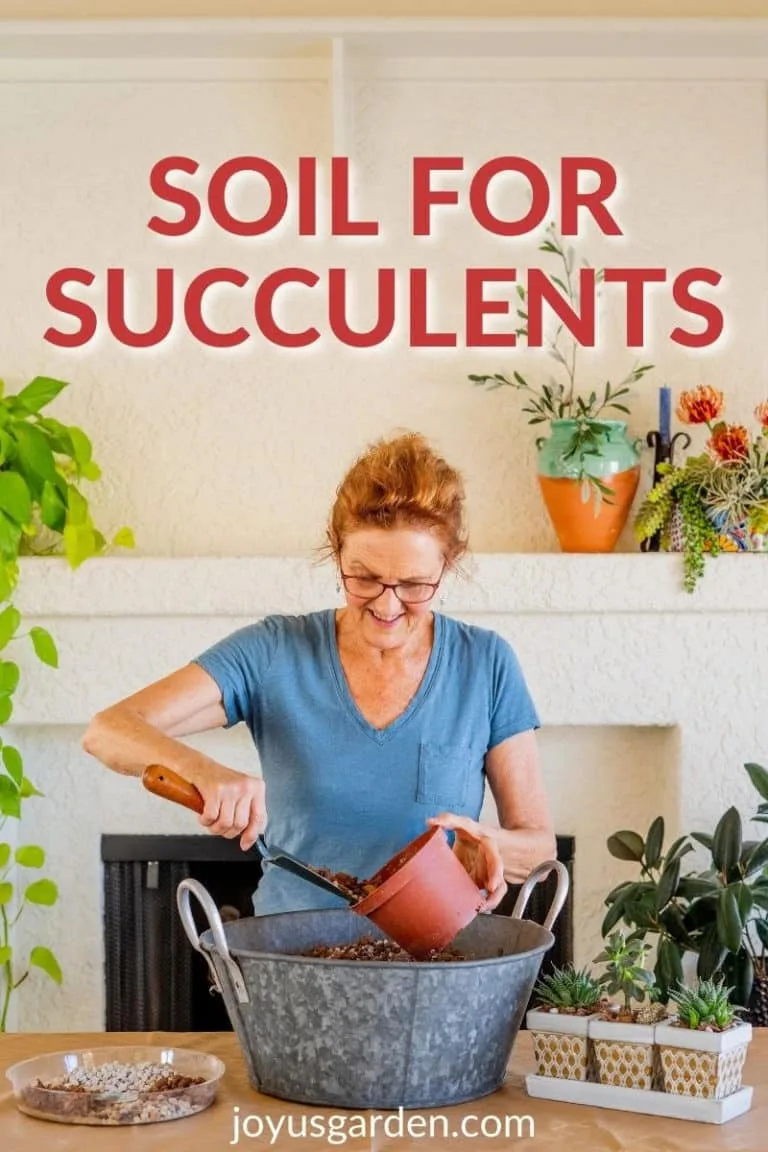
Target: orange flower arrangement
point(728, 442)
point(716, 501)
point(700, 406)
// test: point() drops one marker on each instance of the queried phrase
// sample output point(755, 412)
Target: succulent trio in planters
point(567, 999)
point(623, 1036)
point(702, 1051)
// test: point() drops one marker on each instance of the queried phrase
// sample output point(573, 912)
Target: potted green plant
point(566, 999)
point(588, 468)
point(703, 1049)
point(43, 511)
point(716, 501)
point(623, 1037)
point(718, 912)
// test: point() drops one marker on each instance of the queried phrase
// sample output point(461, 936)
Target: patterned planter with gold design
point(701, 1063)
point(560, 1043)
point(624, 1054)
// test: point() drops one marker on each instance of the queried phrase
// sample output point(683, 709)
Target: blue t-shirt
point(341, 794)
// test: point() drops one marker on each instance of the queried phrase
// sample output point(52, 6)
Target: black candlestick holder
point(663, 453)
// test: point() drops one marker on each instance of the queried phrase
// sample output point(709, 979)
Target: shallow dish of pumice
point(122, 1084)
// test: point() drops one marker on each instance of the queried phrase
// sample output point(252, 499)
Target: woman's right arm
point(145, 728)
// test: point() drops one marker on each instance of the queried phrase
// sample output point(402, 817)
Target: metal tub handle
point(561, 892)
point(194, 888)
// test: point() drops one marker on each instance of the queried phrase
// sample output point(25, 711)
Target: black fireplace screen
point(155, 981)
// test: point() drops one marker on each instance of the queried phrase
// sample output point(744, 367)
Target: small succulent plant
point(625, 973)
point(568, 990)
point(706, 1004)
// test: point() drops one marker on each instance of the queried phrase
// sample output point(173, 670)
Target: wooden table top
point(285, 1125)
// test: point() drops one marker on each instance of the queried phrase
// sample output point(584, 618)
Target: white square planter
point(560, 1043)
point(700, 1063)
point(624, 1053)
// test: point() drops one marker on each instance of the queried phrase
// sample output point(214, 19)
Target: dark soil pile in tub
point(368, 949)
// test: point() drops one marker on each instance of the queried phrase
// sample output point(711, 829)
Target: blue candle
point(665, 414)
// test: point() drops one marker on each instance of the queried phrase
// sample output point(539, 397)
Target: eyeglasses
point(407, 593)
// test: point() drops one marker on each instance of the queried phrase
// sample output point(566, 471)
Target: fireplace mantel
point(523, 583)
point(604, 639)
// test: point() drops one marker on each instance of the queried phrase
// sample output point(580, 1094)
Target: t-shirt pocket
point(444, 772)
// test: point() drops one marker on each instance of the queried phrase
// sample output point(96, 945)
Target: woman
point(371, 721)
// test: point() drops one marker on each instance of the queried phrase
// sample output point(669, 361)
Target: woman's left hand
point(478, 852)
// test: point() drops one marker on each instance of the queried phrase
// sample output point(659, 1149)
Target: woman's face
point(405, 556)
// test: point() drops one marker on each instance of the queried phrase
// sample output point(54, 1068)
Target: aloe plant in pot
point(702, 1051)
point(720, 913)
point(566, 1000)
point(43, 511)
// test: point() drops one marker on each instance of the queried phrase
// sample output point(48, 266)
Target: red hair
point(398, 483)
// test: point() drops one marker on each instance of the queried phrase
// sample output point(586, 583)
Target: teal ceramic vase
point(580, 525)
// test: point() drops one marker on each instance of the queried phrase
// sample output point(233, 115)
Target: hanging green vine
point(43, 511)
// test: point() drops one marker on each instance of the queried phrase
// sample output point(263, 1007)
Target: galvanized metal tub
point(368, 1034)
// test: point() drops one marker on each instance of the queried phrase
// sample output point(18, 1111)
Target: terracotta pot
point(580, 525)
point(423, 896)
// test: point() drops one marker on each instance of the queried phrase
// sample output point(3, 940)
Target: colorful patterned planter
point(732, 537)
point(738, 537)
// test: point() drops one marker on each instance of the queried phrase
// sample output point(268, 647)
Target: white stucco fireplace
point(651, 700)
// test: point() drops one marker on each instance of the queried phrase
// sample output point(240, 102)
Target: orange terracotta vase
point(581, 523)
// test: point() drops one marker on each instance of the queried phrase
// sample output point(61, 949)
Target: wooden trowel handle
point(168, 784)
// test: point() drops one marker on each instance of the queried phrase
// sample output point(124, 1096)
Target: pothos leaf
point(42, 892)
point(44, 959)
point(45, 648)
